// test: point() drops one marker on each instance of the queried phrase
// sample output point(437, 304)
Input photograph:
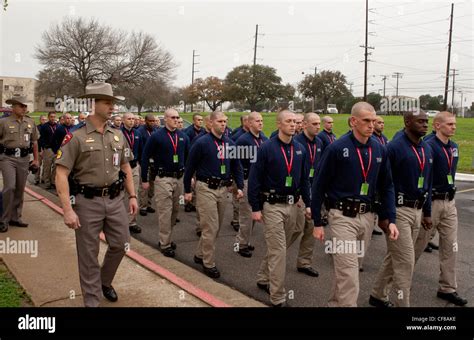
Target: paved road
point(240, 272)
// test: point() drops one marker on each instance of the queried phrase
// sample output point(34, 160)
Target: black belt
point(351, 207)
point(112, 191)
point(174, 174)
point(449, 196)
point(273, 198)
point(21, 152)
point(415, 204)
point(215, 182)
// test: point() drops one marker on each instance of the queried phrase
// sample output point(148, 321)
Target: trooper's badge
point(116, 138)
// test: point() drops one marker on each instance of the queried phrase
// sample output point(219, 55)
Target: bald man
point(351, 172)
point(444, 213)
point(378, 131)
point(327, 136)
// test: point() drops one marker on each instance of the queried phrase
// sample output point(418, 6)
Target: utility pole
point(397, 75)
point(384, 78)
point(192, 73)
point(314, 97)
point(445, 104)
point(366, 47)
point(452, 99)
point(255, 47)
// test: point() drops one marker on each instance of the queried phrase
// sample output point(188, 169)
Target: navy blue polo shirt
point(274, 133)
point(192, 132)
point(399, 133)
point(58, 136)
point(159, 146)
point(327, 138)
point(382, 139)
point(46, 135)
point(314, 151)
point(133, 140)
point(406, 169)
point(429, 136)
point(270, 172)
point(237, 133)
point(248, 139)
point(339, 176)
point(206, 157)
point(144, 133)
point(445, 162)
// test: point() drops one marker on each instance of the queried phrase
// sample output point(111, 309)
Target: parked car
point(432, 113)
point(332, 108)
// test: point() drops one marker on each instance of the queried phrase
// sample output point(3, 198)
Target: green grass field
point(464, 134)
point(11, 294)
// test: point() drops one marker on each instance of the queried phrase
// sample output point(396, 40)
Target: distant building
point(19, 86)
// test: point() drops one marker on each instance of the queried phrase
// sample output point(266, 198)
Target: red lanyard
point(422, 163)
point(149, 133)
point(312, 155)
point(174, 143)
point(256, 142)
point(221, 152)
point(288, 165)
point(131, 141)
point(52, 127)
point(331, 137)
point(196, 132)
point(450, 160)
point(382, 141)
point(365, 173)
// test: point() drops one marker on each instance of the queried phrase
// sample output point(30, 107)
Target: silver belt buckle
point(362, 208)
point(290, 199)
point(105, 192)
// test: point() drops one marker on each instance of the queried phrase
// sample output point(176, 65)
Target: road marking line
point(458, 192)
point(148, 264)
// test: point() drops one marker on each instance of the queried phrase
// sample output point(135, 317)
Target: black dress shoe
point(433, 246)
point(189, 207)
point(198, 233)
point(428, 249)
point(308, 271)
point(454, 298)
point(198, 260)
point(150, 210)
point(135, 229)
point(177, 220)
point(235, 225)
point(172, 244)
point(18, 224)
point(361, 270)
point(245, 252)
point(376, 232)
point(264, 286)
point(379, 303)
point(250, 247)
point(109, 293)
point(168, 252)
point(143, 212)
point(3, 227)
point(37, 182)
point(212, 272)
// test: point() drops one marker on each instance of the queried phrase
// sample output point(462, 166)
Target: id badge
point(311, 173)
point(364, 189)
point(450, 179)
point(420, 182)
point(223, 171)
point(175, 158)
point(27, 137)
point(116, 159)
point(288, 181)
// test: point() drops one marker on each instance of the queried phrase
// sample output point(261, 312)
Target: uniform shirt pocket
point(93, 156)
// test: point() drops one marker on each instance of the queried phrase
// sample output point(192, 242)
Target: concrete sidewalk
point(51, 278)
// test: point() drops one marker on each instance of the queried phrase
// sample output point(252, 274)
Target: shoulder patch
point(59, 154)
point(66, 139)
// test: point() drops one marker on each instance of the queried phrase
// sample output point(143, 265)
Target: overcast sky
point(409, 37)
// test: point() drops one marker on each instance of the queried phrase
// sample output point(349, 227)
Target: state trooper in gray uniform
point(92, 155)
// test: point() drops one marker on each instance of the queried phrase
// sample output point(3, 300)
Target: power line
point(445, 103)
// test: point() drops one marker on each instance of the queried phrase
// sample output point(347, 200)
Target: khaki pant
point(235, 206)
point(398, 264)
point(445, 220)
point(15, 173)
point(211, 205)
point(346, 234)
point(366, 238)
point(48, 166)
point(304, 228)
point(40, 165)
point(96, 215)
point(245, 220)
point(279, 224)
point(167, 195)
point(145, 197)
point(132, 219)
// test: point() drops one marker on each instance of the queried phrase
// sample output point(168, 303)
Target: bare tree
point(58, 83)
point(94, 52)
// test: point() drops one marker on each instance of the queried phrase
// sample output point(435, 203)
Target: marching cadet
point(313, 146)
point(443, 212)
point(17, 132)
point(146, 196)
point(180, 123)
point(299, 123)
point(195, 129)
point(411, 163)
point(277, 180)
point(351, 171)
point(42, 119)
point(378, 131)
point(169, 149)
point(46, 142)
point(81, 117)
point(214, 173)
point(134, 144)
point(94, 154)
point(327, 136)
point(251, 140)
point(61, 131)
point(243, 128)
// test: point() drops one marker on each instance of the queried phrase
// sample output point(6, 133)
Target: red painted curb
point(148, 264)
